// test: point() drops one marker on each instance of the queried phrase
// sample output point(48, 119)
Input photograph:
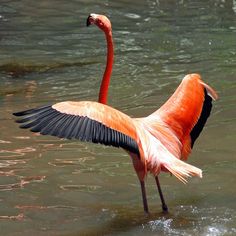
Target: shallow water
point(56, 187)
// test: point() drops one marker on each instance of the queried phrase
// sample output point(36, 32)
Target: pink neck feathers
point(107, 74)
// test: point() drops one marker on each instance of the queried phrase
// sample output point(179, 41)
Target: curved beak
point(88, 23)
point(91, 19)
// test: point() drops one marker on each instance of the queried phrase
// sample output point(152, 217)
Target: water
point(56, 187)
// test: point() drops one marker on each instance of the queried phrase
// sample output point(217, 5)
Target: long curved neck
point(107, 74)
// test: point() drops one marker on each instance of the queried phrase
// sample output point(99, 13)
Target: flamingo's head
point(101, 21)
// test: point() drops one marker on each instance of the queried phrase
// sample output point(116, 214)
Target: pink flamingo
point(159, 142)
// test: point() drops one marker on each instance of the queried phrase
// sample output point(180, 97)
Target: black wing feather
point(206, 110)
point(67, 129)
point(54, 126)
point(49, 121)
point(33, 111)
point(42, 122)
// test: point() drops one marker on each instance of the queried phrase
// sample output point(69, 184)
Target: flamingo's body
point(158, 142)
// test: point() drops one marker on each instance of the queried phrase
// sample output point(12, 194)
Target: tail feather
point(181, 170)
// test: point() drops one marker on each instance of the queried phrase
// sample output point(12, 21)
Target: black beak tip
point(88, 21)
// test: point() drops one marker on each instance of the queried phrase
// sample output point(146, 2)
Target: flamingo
point(162, 141)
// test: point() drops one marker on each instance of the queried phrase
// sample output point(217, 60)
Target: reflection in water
point(63, 162)
point(17, 217)
point(56, 187)
point(16, 152)
point(18, 70)
point(21, 184)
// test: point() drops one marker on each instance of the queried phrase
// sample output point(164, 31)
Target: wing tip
point(31, 111)
point(210, 91)
point(19, 113)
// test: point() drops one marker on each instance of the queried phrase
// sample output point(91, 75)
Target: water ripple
point(132, 15)
point(81, 188)
point(16, 69)
point(69, 162)
point(23, 181)
point(164, 224)
point(4, 141)
point(40, 207)
point(15, 217)
point(17, 152)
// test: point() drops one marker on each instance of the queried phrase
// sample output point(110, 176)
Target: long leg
point(164, 206)
point(145, 204)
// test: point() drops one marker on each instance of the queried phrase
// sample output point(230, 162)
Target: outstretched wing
point(187, 110)
point(86, 121)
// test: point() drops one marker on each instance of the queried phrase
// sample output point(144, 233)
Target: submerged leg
point(145, 204)
point(164, 206)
